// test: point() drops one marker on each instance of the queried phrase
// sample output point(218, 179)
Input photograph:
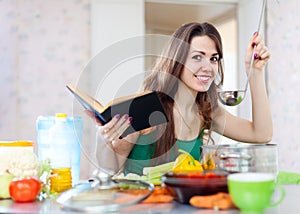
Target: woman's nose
point(205, 64)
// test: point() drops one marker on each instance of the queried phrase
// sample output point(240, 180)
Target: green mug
point(252, 192)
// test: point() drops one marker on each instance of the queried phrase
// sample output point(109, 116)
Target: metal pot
point(243, 157)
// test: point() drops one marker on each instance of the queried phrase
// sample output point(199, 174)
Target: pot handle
point(245, 156)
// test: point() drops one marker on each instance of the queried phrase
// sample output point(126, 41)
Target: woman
point(187, 77)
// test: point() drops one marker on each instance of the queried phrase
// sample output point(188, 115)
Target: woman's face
point(201, 64)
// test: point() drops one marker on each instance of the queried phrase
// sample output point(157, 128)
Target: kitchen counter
point(290, 204)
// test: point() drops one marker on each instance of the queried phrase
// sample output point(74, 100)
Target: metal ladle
point(233, 98)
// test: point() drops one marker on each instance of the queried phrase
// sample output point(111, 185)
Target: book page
point(90, 100)
point(129, 97)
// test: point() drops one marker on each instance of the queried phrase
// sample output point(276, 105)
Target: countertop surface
point(290, 204)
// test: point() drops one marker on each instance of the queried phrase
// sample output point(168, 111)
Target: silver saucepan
point(242, 157)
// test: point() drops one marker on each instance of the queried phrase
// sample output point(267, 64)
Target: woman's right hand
point(261, 55)
point(114, 128)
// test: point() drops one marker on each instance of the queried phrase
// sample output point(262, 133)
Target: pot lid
point(104, 194)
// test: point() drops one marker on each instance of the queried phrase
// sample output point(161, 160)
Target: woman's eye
point(197, 57)
point(214, 59)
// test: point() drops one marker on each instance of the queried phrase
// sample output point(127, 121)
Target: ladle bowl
point(231, 98)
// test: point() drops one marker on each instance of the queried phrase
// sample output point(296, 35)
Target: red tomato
point(24, 189)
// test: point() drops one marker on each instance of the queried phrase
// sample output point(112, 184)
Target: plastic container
point(11, 147)
point(61, 139)
point(43, 125)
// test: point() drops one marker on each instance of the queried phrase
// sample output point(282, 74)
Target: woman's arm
point(112, 152)
point(112, 155)
point(260, 129)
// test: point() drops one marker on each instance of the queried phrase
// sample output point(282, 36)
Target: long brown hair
point(166, 74)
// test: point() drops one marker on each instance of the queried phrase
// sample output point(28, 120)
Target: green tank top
point(143, 151)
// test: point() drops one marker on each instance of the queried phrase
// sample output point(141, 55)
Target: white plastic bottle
point(43, 126)
point(61, 141)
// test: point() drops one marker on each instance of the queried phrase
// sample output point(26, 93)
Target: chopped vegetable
point(150, 174)
point(186, 163)
point(153, 174)
point(5, 180)
point(217, 201)
point(20, 163)
point(208, 162)
point(159, 195)
point(44, 174)
point(130, 176)
point(24, 189)
point(163, 168)
point(124, 186)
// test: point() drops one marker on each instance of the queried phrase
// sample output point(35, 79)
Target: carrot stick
point(158, 199)
point(217, 201)
point(159, 195)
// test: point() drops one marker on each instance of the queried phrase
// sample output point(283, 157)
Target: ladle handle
point(254, 49)
point(251, 68)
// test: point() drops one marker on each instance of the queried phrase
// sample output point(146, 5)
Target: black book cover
point(145, 109)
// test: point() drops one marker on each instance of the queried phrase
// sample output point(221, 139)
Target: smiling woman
point(201, 64)
point(223, 14)
point(184, 77)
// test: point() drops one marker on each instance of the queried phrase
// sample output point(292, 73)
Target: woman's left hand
point(261, 55)
point(114, 128)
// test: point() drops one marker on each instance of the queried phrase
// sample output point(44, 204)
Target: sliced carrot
point(217, 201)
point(158, 199)
point(159, 195)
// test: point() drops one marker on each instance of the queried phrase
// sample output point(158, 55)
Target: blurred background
point(45, 45)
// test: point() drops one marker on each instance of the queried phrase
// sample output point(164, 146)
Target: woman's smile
point(203, 78)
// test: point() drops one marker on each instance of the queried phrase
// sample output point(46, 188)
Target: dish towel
point(288, 178)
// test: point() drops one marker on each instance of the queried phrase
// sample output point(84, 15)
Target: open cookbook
point(145, 109)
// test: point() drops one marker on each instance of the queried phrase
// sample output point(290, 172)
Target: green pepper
point(186, 163)
point(208, 162)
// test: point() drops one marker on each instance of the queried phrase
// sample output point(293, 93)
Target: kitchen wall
point(43, 46)
point(46, 44)
point(283, 35)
